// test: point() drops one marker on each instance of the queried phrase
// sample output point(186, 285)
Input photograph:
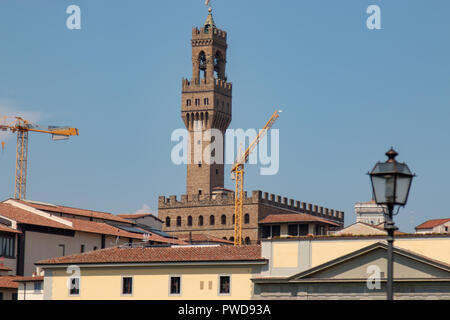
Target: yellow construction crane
point(237, 173)
point(23, 127)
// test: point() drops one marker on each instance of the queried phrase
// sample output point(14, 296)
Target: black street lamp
point(391, 182)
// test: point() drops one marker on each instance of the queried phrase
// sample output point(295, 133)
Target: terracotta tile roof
point(137, 216)
point(74, 211)
point(8, 229)
point(26, 217)
point(294, 217)
point(157, 238)
point(29, 279)
point(162, 254)
point(7, 282)
point(203, 237)
point(432, 223)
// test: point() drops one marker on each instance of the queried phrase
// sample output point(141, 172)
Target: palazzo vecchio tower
point(207, 208)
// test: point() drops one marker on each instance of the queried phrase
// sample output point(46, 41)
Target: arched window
point(246, 218)
point(223, 219)
point(202, 63)
point(219, 65)
point(200, 220)
point(189, 222)
point(211, 220)
point(247, 240)
point(167, 221)
point(232, 239)
point(178, 221)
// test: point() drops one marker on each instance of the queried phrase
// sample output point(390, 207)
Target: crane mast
point(237, 173)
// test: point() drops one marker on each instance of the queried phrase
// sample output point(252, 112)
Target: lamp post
point(391, 182)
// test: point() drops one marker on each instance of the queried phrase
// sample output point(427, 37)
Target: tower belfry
point(206, 104)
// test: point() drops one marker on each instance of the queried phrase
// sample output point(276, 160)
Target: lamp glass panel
point(379, 188)
point(403, 184)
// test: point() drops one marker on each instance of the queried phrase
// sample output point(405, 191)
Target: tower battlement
point(203, 84)
point(204, 33)
point(257, 197)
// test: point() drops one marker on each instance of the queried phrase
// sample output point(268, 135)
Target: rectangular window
point(7, 246)
point(127, 285)
point(224, 286)
point(14, 296)
point(265, 232)
point(197, 102)
point(275, 231)
point(74, 286)
point(303, 229)
point(206, 101)
point(188, 102)
point(175, 285)
point(37, 286)
point(82, 248)
point(293, 229)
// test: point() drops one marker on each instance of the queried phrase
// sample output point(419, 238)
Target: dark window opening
point(189, 223)
point(270, 231)
point(175, 284)
point(224, 285)
point(127, 285)
point(303, 229)
point(7, 246)
point(293, 229)
point(178, 221)
point(200, 220)
point(223, 219)
point(167, 222)
point(82, 248)
point(188, 102)
point(247, 240)
point(37, 286)
point(211, 220)
point(246, 218)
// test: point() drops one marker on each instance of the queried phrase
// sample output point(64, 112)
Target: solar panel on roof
point(131, 229)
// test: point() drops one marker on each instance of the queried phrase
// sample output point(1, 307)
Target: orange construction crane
point(237, 173)
point(23, 127)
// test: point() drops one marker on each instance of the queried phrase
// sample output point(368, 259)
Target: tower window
point(217, 171)
point(199, 192)
point(197, 102)
point(206, 101)
point(211, 220)
point(189, 222)
point(200, 220)
point(188, 102)
point(168, 222)
point(223, 219)
point(178, 221)
point(246, 218)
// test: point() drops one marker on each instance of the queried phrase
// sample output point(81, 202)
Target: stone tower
point(206, 104)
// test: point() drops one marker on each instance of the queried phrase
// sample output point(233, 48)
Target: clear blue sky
point(347, 94)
